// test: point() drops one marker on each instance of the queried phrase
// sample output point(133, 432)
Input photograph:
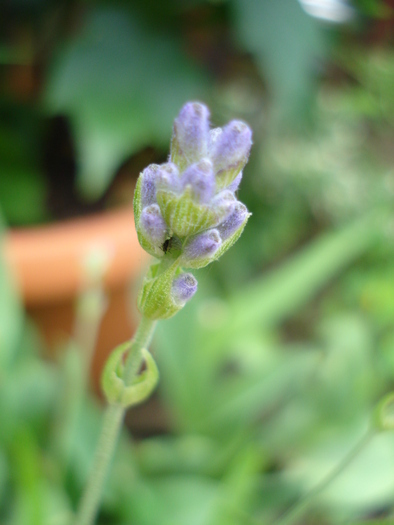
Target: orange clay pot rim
point(47, 261)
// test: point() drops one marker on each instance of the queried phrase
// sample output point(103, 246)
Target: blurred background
point(271, 374)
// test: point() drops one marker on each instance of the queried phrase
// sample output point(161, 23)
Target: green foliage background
point(270, 375)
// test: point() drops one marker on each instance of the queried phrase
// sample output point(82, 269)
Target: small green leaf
point(114, 386)
point(121, 85)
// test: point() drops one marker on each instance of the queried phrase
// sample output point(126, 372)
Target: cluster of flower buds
point(186, 211)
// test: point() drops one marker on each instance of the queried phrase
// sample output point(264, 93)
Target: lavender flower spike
point(201, 178)
point(229, 151)
point(186, 211)
point(234, 221)
point(199, 249)
point(190, 135)
point(183, 288)
point(153, 226)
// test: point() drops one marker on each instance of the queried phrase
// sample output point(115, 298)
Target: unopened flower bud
point(153, 226)
point(190, 135)
point(234, 221)
point(201, 178)
point(183, 288)
point(199, 250)
point(203, 245)
point(229, 151)
point(167, 178)
point(148, 185)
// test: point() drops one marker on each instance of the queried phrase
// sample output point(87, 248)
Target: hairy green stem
point(112, 424)
point(76, 368)
point(299, 508)
point(141, 339)
point(87, 325)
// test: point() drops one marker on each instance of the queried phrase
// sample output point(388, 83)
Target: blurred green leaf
point(195, 347)
point(274, 297)
point(4, 473)
point(22, 182)
point(185, 499)
point(11, 315)
point(374, 8)
point(374, 72)
point(27, 394)
point(122, 85)
point(22, 194)
point(26, 459)
point(366, 484)
point(248, 397)
point(287, 44)
point(184, 454)
point(239, 486)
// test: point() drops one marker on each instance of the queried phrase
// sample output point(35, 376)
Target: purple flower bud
point(230, 147)
point(148, 187)
point(235, 219)
point(203, 245)
point(167, 177)
point(183, 288)
point(191, 130)
point(153, 225)
point(201, 178)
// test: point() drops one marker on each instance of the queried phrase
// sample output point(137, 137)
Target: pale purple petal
point(201, 178)
point(183, 288)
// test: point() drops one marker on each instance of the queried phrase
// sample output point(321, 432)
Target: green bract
point(186, 217)
point(155, 300)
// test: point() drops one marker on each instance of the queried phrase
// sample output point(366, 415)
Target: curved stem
point(112, 424)
point(298, 509)
point(141, 339)
point(91, 307)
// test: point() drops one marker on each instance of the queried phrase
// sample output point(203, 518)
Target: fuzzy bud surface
point(183, 288)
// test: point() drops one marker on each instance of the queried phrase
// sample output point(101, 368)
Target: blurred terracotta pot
point(47, 262)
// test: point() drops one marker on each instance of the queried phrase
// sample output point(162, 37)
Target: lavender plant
point(187, 215)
